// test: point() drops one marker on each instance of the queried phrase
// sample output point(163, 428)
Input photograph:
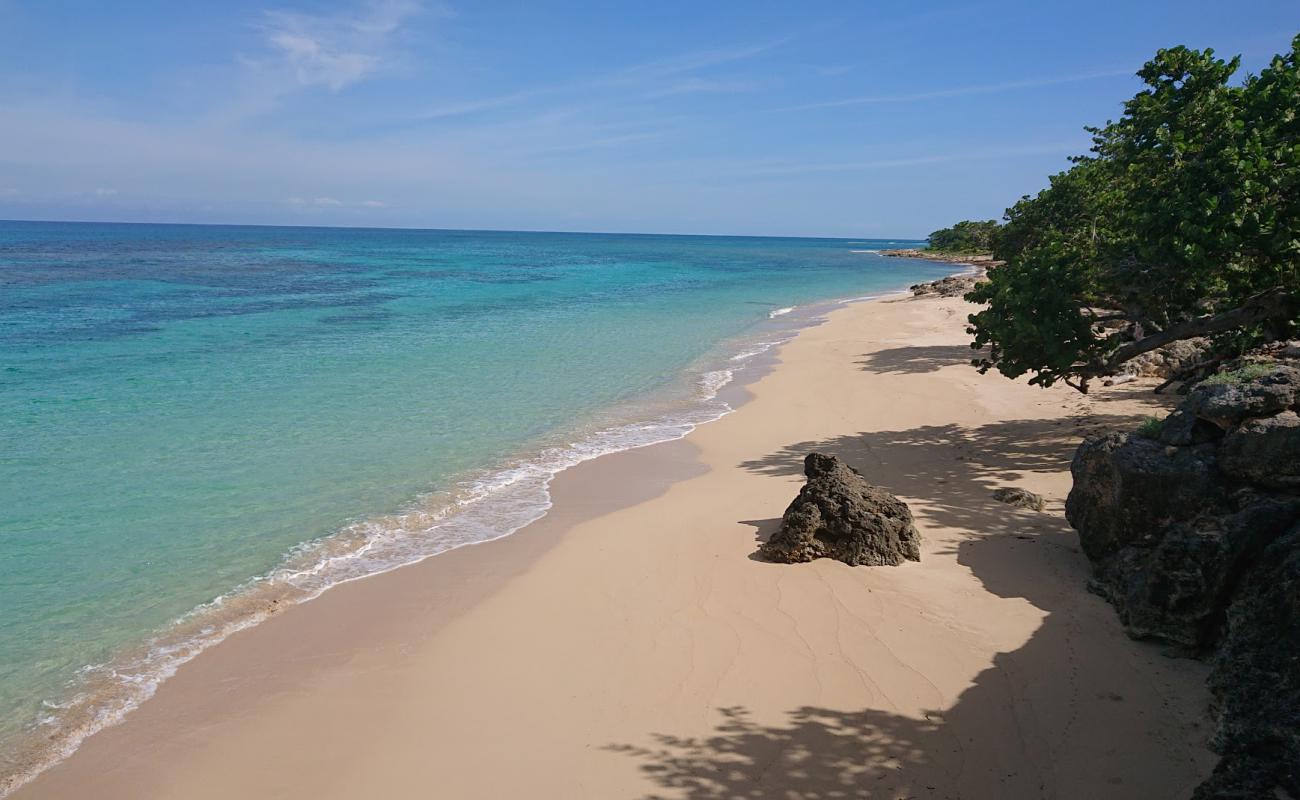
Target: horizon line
point(459, 230)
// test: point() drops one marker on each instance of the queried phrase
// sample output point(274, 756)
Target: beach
point(630, 645)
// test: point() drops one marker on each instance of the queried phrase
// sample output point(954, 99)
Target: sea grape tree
point(967, 236)
point(1181, 222)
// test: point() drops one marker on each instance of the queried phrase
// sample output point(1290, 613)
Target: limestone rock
point(1265, 452)
point(1193, 531)
point(839, 515)
point(1227, 402)
point(1256, 682)
point(1126, 488)
point(951, 286)
point(1020, 498)
point(1168, 360)
point(1176, 588)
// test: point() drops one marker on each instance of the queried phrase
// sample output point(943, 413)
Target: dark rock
point(1127, 488)
point(1177, 590)
point(951, 286)
point(1020, 498)
point(1256, 682)
point(1265, 452)
point(1182, 427)
point(839, 515)
point(1194, 537)
point(1227, 401)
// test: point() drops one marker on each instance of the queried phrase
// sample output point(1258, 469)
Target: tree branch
point(1265, 305)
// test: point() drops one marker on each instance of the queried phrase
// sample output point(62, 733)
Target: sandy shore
point(628, 645)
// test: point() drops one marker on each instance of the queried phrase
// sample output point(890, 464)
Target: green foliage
point(1239, 376)
point(1188, 206)
point(967, 236)
point(1150, 427)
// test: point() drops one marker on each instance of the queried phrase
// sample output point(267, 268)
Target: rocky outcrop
point(951, 286)
point(1169, 360)
point(1256, 681)
point(974, 259)
point(1193, 530)
point(1265, 452)
point(839, 515)
point(1020, 498)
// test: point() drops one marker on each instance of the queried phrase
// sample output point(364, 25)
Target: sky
point(860, 119)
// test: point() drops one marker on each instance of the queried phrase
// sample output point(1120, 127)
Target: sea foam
point(482, 507)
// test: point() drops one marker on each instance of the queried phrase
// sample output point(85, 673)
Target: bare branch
point(1265, 305)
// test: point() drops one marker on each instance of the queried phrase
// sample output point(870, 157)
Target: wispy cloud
point(958, 91)
point(795, 169)
point(481, 104)
point(334, 51)
point(657, 78)
point(696, 85)
point(319, 202)
point(697, 60)
point(597, 143)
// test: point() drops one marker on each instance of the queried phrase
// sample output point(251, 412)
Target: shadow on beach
point(917, 359)
point(1074, 712)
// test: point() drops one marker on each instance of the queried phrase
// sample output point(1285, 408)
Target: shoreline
point(97, 707)
point(399, 625)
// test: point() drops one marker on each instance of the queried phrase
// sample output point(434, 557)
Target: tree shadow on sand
point(818, 754)
point(1075, 712)
point(917, 359)
point(969, 463)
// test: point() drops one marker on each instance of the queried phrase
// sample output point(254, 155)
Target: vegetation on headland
point(1182, 222)
point(967, 237)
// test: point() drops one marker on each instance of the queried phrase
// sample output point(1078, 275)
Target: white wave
point(780, 312)
point(481, 508)
point(756, 350)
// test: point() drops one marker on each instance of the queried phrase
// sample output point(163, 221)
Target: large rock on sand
point(839, 515)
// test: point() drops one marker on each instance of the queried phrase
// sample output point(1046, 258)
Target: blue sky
point(854, 119)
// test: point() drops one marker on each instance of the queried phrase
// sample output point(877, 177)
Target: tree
point(1182, 222)
point(967, 236)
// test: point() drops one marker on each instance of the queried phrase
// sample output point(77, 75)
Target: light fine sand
point(630, 646)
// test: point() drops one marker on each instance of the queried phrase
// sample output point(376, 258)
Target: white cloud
point(105, 192)
point(333, 202)
point(334, 51)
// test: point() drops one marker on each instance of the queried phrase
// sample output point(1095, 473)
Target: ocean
point(200, 422)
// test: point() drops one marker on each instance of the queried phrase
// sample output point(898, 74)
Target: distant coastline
point(983, 260)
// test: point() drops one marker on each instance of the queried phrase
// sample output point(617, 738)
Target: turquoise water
point(250, 414)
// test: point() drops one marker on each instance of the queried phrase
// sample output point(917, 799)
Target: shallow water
point(199, 421)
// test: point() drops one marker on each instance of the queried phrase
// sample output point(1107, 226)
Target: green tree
point(968, 236)
point(1181, 222)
